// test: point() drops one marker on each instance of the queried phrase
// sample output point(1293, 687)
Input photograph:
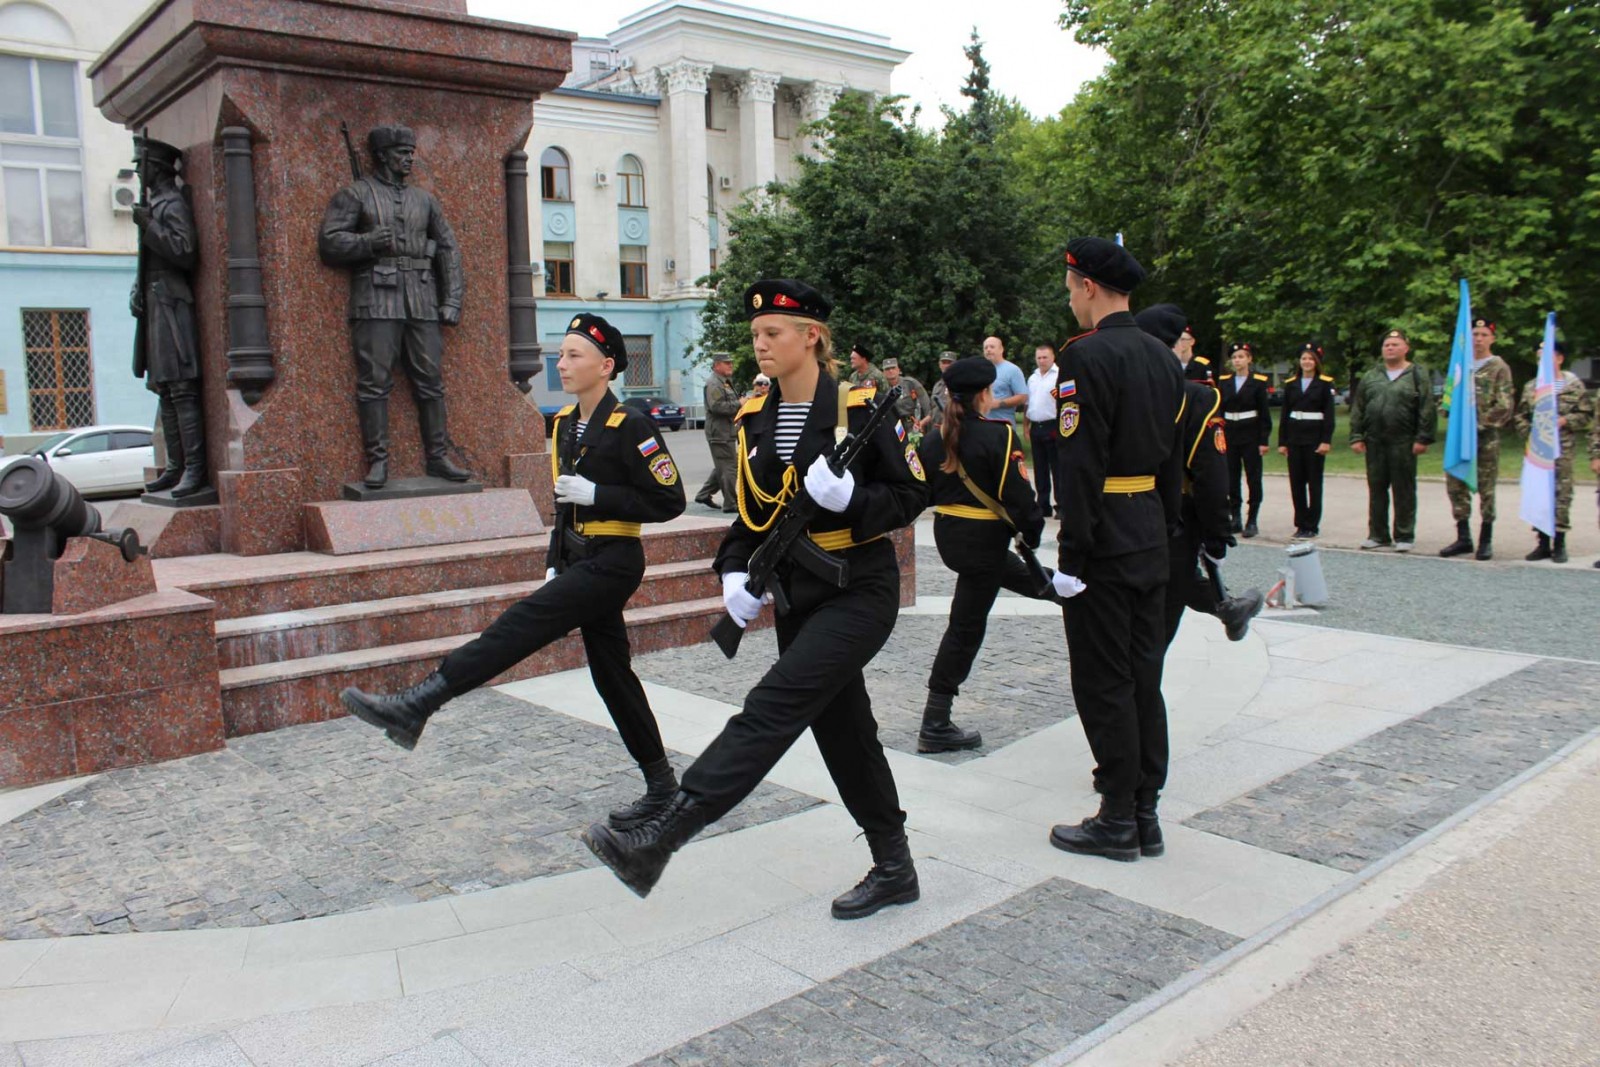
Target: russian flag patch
point(1068, 388)
point(900, 431)
point(648, 445)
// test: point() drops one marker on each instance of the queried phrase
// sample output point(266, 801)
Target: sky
point(1030, 56)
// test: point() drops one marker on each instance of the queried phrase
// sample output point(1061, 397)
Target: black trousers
point(1043, 437)
point(1305, 485)
point(1246, 458)
point(824, 641)
point(1187, 583)
point(1116, 644)
point(377, 343)
point(978, 551)
point(588, 596)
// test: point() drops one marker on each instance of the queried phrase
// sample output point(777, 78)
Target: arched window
point(555, 175)
point(630, 182)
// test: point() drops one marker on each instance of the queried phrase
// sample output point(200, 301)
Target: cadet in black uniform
point(1249, 432)
point(612, 473)
point(1205, 498)
point(1305, 435)
point(974, 539)
point(1120, 395)
point(829, 634)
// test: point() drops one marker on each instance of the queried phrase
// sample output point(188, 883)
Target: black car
point(663, 412)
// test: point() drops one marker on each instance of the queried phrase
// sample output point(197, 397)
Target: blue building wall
point(63, 281)
point(672, 325)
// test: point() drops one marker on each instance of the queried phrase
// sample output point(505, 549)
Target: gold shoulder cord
point(776, 502)
point(555, 445)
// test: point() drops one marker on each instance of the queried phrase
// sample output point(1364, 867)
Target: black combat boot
point(192, 429)
point(1541, 550)
point(1111, 833)
point(430, 418)
point(1485, 541)
point(938, 733)
point(1237, 611)
point(169, 432)
point(1144, 813)
point(1463, 542)
point(1234, 523)
point(1558, 547)
point(638, 856)
point(1250, 527)
point(374, 418)
point(659, 785)
point(892, 880)
point(403, 715)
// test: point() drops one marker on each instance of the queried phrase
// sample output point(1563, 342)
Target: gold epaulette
point(860, 396)
point(1325, 377)
point(617, 418)
point(565, 411)
point(1202, 360)
point(1260, 377)
point(751, 406)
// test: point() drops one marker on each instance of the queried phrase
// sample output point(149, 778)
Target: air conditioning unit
point(537, 267)
point(124, 192)
point(725, 182)
point(602, 179)
point(671, 265)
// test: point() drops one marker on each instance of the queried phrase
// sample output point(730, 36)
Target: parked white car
point(98, 460)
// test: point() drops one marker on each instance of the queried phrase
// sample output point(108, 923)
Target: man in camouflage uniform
point(1393, 420)
point(1491, 384)
point(941, 394)
point(722, 404)
point(1574, 412)
point(864, 372)
point(913, 405)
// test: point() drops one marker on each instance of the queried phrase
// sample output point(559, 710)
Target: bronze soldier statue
point(166, 347)
point(405, 279)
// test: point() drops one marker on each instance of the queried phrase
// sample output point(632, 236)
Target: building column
point(815, 102)
point(758, 161)
point(685, 84)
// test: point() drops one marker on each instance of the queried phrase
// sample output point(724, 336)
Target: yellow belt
point(965, 511)
point(609, 528)
point(1138, 483)
point(837, 540)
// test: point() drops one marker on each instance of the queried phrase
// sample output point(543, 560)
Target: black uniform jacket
point(992, 458)
point(1249, 422)
point(624, 456)
point(1118, 399)
point(1307, 413)
point(1205, 464)
point(890, 489)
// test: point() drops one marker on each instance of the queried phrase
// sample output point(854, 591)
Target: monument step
point(282, 636)
point(289, 693)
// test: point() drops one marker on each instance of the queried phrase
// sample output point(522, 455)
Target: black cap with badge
point(786, 296)
point(604, 336)
point(1105, 263)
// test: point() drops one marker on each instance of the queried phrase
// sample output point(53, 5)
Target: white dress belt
point(1235, 416)
point(1306, 416)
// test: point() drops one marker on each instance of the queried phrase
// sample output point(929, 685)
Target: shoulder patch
point(568, 410)
point(860, 396)
point(914, 462)
point(1069, 419)
point(1324, 377)
point(751, 406)
point(663, 471)
point(1202, 360)
point(616, 418)
point(1259, 377)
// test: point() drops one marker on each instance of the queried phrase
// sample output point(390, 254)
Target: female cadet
point(1305, 435)
point(981, 498)
point(830, 633)
point(1248, 429)
point(612, 473)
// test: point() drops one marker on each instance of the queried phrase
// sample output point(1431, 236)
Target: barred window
point(641, 370)
point(60, 373)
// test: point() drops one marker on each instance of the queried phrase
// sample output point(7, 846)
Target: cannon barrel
point(34, 497)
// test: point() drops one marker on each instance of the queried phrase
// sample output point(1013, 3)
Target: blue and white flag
point(1461, 433)
point(1544, 442)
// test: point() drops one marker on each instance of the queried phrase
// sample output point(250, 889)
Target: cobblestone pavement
point(1005, 986)
point(1359, 804)
point(935, 579)
point(1018, 683)
point(323, 819)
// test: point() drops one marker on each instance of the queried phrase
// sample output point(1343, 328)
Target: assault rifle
point(141, 335)
point(350, 150)
point(787, 538)
point(567, 514)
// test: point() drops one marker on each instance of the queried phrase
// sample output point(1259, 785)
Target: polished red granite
point(169, 532)
point(345, 527)
point(91, 574)
point(261, 511)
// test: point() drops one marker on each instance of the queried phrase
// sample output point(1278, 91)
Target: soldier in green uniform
point(1491, 384)
point(913, 405)
point(940, 396)
point(722, 404)
point(865, 372)
point(1393, 420)
point(1574, 412)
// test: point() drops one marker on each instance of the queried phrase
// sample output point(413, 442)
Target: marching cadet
point(1305, 435)
point(1574, 412)
point(981, 500)
point(1204, 509)
point(612, 472)
point(1491, 385)
point(830, 632)
point(1249, 431)
point(1120, 394)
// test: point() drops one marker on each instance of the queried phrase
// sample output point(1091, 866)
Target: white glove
point(574, 489)
point(1066, 585)
point(742, 607)
point(831, 491)
point(549, 573)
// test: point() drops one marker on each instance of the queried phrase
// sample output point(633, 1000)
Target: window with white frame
point(630, 182)
point(41, 153)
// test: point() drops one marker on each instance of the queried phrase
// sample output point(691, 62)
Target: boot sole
point(945, 746)
point(1152, 851)
point(398, 736)
point(606, 853)
point(1121, 855)
point(909, 896)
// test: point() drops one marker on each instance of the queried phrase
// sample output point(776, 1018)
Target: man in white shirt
point(1042, 425)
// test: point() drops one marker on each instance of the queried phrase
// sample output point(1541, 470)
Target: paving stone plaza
point(315, 895)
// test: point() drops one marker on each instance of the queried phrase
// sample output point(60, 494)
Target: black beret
point(1105, 262)
point(1485, 323)
point(1165, 322)
point(785, 296)
point(1312, 347)
point(967, 376)
point(603, 336)
point(1560, 349)
point(862, 350)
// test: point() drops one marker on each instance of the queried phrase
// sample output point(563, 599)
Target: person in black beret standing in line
point(1249, 432)
point(1305, 435)
point(829, 633)
point(1120, 394)
point(618, 475)
point(981, 500)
